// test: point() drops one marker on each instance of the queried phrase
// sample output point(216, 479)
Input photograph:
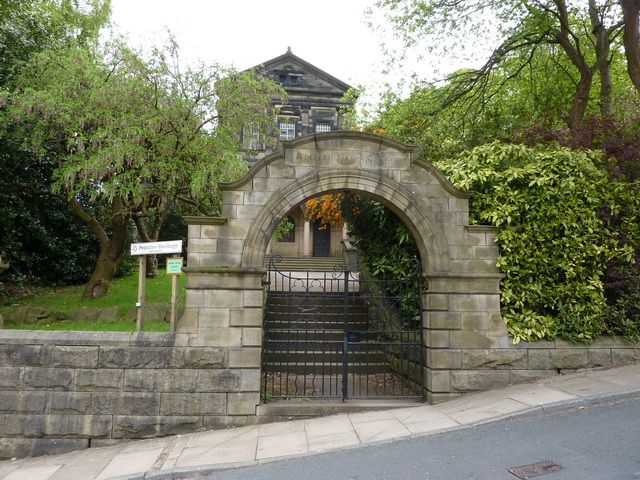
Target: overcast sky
point(330, 34)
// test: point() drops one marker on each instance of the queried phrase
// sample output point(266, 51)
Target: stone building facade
point(314, 104)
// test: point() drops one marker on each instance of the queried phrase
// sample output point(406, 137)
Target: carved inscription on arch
point(348, 159)
point(388, 160)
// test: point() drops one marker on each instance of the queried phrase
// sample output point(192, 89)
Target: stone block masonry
point(63, 391)
point(452, 371)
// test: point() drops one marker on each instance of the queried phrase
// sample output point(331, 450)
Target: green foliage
point(42, 242)
point(139, 129)
point(386, 248)
point(623, 314)
point(283, 228)
point(554, 242)
point(30, 26)
point(547, 65)
point(137, 135)
point(37, 237)
point(538, 98)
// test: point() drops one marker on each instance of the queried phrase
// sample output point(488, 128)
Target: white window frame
point(323, 127)
point(287, 129)
point(251, 139)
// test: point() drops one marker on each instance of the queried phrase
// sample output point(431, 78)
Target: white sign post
point(142, 250)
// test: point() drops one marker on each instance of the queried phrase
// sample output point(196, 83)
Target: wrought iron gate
point(340, 335)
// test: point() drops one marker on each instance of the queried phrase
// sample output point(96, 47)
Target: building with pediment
point(314, 104)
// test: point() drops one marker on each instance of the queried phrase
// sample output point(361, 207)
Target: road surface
point(590, 443)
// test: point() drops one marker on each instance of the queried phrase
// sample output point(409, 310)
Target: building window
point(287, 130)
point(289, 78)
point(251, 139)
point(323, 127)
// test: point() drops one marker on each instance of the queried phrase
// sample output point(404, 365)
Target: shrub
point(555, 241)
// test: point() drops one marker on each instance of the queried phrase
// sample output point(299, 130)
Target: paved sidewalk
point(188, 456)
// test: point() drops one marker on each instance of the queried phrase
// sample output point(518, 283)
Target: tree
point(578, 38)
point(135, 135)
point(30, 26)
point(326, 209)
point(43, 243)
point(631, 12)
point(536, 97)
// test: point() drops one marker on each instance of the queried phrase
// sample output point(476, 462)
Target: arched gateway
point(226, 256)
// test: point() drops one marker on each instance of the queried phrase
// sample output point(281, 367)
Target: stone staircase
point(307, 264)
point(305, 333)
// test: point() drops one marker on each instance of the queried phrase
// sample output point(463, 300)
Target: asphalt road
point(590, 443)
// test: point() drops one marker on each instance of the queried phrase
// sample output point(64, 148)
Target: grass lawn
point(123, 293)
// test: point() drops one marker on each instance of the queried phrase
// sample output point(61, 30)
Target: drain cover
point(535, 469)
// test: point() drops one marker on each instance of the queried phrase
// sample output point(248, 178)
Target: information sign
point(153, 248)
point(174, 266)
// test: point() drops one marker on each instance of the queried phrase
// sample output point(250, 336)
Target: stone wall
point(455, 371)
point(62, 391)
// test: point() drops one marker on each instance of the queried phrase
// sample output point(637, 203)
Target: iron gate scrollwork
point(342, 334)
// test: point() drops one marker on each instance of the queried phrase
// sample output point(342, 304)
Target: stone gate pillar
point(463, 324)
point(224, 306)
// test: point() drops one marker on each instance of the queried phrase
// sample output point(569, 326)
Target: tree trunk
point(603, 50)
point(108, 261)
point(631, 13)
point(111, 248)
point(570, 43)
point(152, 266)
point(580, 101)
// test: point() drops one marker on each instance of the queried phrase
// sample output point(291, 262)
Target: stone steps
point(304, 264)
point(320, 407)
point(308, 367)
point(305, 335)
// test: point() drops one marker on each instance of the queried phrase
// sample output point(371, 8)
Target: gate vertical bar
point(345, 333)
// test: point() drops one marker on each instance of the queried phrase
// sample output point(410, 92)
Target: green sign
point(174, 266)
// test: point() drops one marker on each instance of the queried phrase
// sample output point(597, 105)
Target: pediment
point(296, 74)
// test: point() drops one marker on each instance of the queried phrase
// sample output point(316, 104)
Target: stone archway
point(226, 255)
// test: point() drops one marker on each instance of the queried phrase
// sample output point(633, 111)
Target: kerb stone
point(243, 403)
point(48, 378)
point(179, 380)
point(125, 403)
point(99, 380)
point(84, 426)
point(218, 380)
point(146, 426)
point(74, 356)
